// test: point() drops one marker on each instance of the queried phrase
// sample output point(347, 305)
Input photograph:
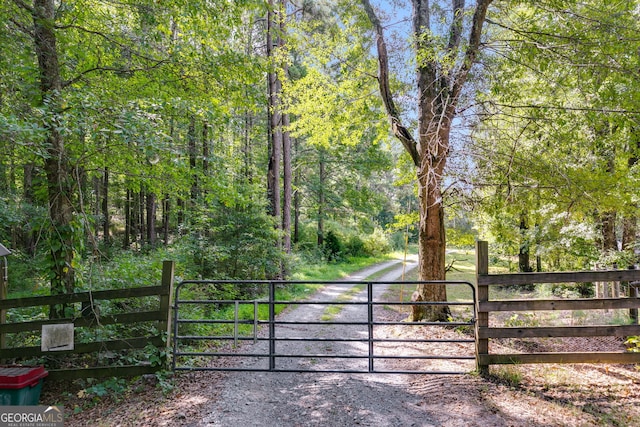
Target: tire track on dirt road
point(321, 399)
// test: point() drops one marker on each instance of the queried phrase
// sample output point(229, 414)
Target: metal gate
point(346, 326)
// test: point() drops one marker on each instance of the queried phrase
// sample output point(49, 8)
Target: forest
point(247, 138)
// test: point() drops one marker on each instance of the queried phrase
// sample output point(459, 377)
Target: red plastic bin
point(21, 385)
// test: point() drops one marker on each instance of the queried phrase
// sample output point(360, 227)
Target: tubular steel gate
point(346, 327)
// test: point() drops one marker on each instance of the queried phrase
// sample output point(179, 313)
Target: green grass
point(334, 271)
point(464, 270)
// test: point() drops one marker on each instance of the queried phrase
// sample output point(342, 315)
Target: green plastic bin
point(21, 385)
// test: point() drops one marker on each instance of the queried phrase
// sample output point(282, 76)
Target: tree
point(279, 139)
point(557, 136)
point(59, 176)
point(443, 63)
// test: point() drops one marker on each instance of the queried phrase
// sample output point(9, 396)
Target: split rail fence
point(485, 332)
point(90, 317)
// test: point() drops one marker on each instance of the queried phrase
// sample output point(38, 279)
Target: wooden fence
point(91, 318)
point(484, 332)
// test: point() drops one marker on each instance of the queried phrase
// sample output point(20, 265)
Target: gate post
point(168, 270)
point(272, 327)
point(482, 295)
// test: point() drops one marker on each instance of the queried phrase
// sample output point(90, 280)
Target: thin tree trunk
point(166, 210)
point(275, 116)
point(106, 224)
point(296, 200)
point(28, 238)
point(321, 200)
point(126, 240)
point(181, 214)
point(524, 264)
point(287, 188)
point(248, 121)
point(141, 209)
point(151, 219)
point(205, 155)
point(96, 205)
point(191, 140)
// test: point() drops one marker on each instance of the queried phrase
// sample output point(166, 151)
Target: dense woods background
point(243, 138)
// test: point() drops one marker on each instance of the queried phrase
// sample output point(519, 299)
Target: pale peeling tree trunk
point(439, 84)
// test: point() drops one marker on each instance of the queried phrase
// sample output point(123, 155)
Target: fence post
point(168, 270)
point(482, 295)
point(3, 296)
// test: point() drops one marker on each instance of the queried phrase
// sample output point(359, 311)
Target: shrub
point(233, 243)
point(333, 247)
point(355, 247)
point(377, 243)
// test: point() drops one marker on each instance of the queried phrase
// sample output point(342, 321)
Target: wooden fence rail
point(90, 319)
point(484, 332)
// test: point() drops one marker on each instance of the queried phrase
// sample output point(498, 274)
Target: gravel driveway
point(320, 399)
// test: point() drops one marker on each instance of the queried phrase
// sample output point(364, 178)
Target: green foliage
point(355, 247)
point(332, 247)
point(507, 374)
point(377, 243)
point(558, 143)
point(460, 239)
point(235, 243)
point(633, 344)
point(114, 388)
point(522, 320)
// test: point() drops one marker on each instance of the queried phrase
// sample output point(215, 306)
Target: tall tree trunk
point(524, 264)
point(28, 238)
point(248, 120)
point(126, 240)
point(431, 235)
point(608, 218)
point(141, 209)
point(205, 155)
point(275, 113)
point(191, 140)
point(106, 224)
point(287, 188)
point(246, 147)
point(296, 199)
point(166, 210)
point(608, 241)
point(321, 199)
point(151, 219)
point(96, 205)
point(60, 186)
point(439, 84)
point(181, 214)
